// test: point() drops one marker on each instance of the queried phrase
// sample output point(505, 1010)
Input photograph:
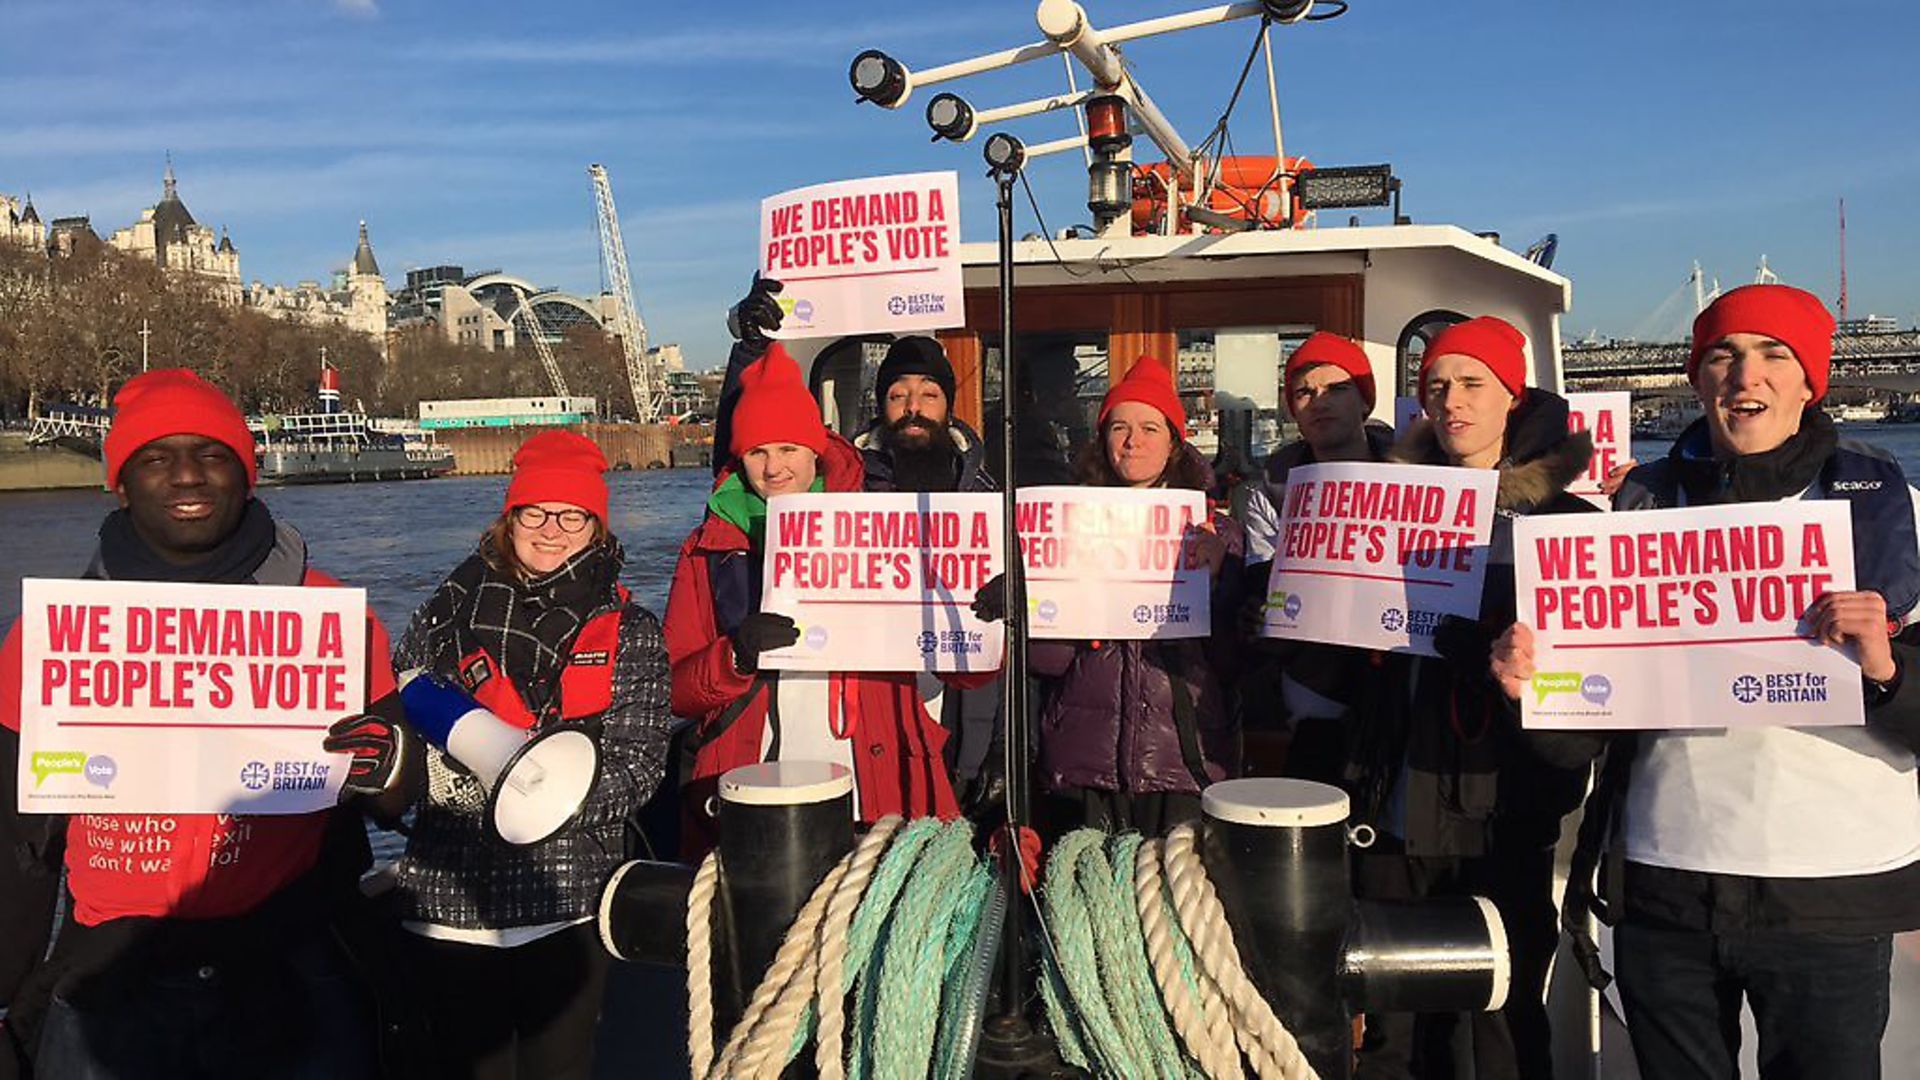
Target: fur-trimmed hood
point(1542, 457)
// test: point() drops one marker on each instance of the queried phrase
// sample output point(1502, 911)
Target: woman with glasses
point(536, 626)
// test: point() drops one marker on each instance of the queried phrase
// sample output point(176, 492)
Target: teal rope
point(915, 960)
point(1101, 998)
point(951, 1058)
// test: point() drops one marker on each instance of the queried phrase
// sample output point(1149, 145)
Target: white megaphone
point(535, 783)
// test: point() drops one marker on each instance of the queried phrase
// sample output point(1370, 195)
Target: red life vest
point(586, 686)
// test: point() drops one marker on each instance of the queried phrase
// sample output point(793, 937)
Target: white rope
point(700, 965)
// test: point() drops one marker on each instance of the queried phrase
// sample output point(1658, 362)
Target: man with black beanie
point(915, 443)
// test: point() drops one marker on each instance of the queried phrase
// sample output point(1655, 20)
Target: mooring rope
point(1140, 975)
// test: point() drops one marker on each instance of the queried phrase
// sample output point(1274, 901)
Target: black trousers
point(524, 1013)
point(1820, 1001)
point(1511, 1044)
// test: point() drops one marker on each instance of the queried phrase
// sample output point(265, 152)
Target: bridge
point(76, 427)
point(1886, 359)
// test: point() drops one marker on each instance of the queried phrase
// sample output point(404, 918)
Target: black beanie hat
point(916, 355)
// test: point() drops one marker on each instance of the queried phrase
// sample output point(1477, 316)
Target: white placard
point(149, 697)
point(1608, 415)
point(1685, 618)
point(1113, 563)
point(879, 255)
point(883, 582)
point(1375, 555)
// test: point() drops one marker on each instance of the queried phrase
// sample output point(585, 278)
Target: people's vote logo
point(1048, 610)
point(101, 770)
point(816, 637)
point(1393, 620)
point(1746, 689)
point(254, 775)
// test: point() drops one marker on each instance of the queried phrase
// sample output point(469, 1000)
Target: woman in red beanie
point(537, 627)
point(1131, 731)
point(875, 723)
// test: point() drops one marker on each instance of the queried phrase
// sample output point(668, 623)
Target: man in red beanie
point(1433, 756)
point(1327, 386)
point(167, 965)
point(1766, 864)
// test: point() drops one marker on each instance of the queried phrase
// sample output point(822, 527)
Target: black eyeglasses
point(535, 517)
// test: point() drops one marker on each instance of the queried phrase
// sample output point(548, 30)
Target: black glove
point(757, 314)
point(380, 749)
point(983, 799)
point(990, 603)
point(759, 632)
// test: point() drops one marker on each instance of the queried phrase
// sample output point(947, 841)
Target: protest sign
point(1685, 618)
point(1113, 563)
point(883, 582)
point(143, 697)
point(1608, 417)
point(1375, 555)
point(866, 256)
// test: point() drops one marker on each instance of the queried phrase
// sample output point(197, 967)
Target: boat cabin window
point(1413, 345)
point(1230, 381)
point(1062, 377)
point(842, 381)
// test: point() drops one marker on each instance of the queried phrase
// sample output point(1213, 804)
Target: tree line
point(70, 331)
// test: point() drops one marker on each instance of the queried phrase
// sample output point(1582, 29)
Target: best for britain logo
point(1746, 689)
point(254, 775)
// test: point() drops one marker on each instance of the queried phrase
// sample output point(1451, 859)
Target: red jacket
point(897, 746)
point(206, 866)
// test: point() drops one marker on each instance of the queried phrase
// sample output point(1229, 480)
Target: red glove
point(1029, 854)
point(378, 748)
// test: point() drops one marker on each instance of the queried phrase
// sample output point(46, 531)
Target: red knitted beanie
point(1489, 339)
point(1150, 383)
point(559, 466)
point(774, 407)
point(174, 401)
point(1329, 348)
point(1794, 317)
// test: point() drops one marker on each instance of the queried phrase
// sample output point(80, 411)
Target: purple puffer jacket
point(1109, 719)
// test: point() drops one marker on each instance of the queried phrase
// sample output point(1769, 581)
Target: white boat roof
point(1264, 253)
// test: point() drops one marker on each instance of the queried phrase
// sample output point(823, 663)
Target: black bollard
point(637, 913)
point(783, 825)
point(1276, 851)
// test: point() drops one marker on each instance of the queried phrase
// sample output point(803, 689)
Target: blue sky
point(1646, 135)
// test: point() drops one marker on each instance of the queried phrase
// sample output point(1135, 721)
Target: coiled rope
point(1140, 975)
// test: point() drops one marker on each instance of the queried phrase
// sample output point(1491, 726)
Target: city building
point(491, 309)
point(667, 358)
point(168, 234)
point(355, 298)
point(20, 223)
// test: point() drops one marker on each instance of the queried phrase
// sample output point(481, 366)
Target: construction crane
point(531, 328)
point(644, 376)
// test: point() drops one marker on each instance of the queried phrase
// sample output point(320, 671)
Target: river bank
point(476, 452)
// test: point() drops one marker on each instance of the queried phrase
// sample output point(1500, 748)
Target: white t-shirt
point(1775, 802)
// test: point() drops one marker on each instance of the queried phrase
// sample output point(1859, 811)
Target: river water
point(396, 540)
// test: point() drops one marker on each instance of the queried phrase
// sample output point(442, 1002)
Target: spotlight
point(1287, 11)
point(1345, 185)
point(951, 118)
point(879, 78)
point(1004, 153)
